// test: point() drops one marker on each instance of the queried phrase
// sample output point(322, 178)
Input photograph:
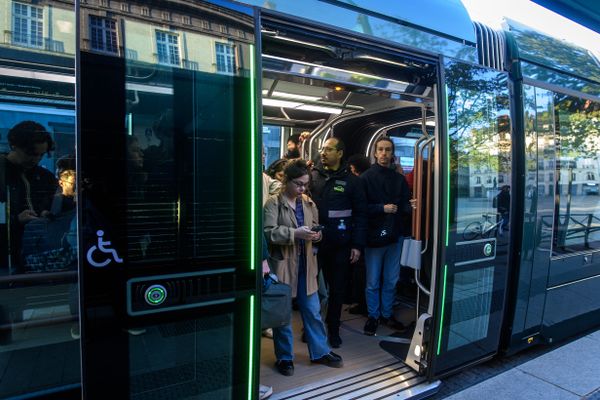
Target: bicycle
point(484, 229)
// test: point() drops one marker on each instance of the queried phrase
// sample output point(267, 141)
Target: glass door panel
point(169, 215)
point(473, 269)
point(39, 329)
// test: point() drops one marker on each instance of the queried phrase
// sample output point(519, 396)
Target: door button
point(487, 249)
point(155, 295)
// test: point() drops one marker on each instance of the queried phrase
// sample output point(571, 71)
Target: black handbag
point(383, 230)
point(276, 304)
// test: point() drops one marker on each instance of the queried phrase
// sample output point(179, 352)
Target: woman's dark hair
point(295, 169)
point(276, 166)
point(361, 163)
point(26, 134)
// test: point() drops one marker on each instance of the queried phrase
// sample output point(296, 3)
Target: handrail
point(417, 187)
point(419, 284)
point(429, 146)
point(421, 144)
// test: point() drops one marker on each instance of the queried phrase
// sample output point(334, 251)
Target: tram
point(145, 282)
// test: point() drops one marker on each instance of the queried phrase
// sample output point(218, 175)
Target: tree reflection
point(479, 125)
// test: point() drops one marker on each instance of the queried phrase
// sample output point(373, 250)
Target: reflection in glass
point(577, 224)
point(479, 200)
point(480, 146)
point(38, 228)
point(182, 134)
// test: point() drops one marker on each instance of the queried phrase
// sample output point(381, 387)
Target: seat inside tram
point(319, 90)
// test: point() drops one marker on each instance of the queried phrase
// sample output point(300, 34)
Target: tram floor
point(361, 354)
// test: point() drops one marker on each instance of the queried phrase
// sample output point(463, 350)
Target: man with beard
point(341, 202)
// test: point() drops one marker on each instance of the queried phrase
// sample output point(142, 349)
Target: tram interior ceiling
point(336, 89)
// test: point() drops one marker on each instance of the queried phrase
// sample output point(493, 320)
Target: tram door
point(168, 215)
point(474, 246)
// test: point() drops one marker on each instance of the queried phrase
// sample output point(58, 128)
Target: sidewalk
point(571, 372)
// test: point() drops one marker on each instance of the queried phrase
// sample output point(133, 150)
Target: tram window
point(187, 140)
point(482, 145)
point(271, 143)
point(405, 152)
point(577, 221)
point(38, 234)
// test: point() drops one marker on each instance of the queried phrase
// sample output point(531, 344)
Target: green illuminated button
point(155, 295)
point(487, 249)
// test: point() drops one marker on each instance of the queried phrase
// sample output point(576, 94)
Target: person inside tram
point(388, 202)
point(358, 164)
point(275, 170)
point(290, 219)
point(271, 184)
point(293, 146)
point(29, 187)
point(341, 202)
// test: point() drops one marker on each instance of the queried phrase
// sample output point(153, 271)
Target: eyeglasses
point(300, 184)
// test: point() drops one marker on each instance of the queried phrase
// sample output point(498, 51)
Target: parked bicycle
point(485, 228)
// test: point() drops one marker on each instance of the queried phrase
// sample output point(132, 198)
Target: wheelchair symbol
point(102, 246)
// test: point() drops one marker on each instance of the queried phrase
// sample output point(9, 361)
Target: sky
point(528, 13)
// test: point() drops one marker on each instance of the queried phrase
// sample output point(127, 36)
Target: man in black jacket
point(27, 187)
point(340, 198)
point(388, 204)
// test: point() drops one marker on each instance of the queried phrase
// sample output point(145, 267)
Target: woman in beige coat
point(288, 219)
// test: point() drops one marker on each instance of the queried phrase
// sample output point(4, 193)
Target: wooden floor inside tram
point(362, 356)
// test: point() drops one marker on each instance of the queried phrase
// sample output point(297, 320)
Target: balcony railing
point(37, 42)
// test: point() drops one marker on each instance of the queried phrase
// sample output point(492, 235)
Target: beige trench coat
point(279, 225)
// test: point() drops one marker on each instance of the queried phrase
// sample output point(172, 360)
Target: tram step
point(393, 381)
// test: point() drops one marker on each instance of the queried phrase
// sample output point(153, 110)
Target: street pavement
point(569, 372)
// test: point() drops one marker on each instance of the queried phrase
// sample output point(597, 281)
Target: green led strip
point(251, 350)
point(252, 162)
point(447, 169)
point(439, 346)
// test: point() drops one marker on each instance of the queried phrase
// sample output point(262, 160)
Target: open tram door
point(169, 211)
point(469, 232)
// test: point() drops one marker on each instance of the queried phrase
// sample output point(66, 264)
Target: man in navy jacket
point(388, 204)
point(340, 199)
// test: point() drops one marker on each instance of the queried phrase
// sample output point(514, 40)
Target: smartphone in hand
point(317, 228)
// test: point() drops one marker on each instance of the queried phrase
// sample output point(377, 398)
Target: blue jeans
point(383, 264)
point(314, 329)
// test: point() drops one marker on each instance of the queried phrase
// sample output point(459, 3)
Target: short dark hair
point(295, 139)
point(340, 146)
point(26, 134)
point(295, 169)
point(361, 163)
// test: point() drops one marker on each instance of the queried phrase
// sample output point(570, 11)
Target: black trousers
point(335, 263)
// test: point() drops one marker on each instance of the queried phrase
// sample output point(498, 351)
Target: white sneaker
point(268, 333)
point(264, 392)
